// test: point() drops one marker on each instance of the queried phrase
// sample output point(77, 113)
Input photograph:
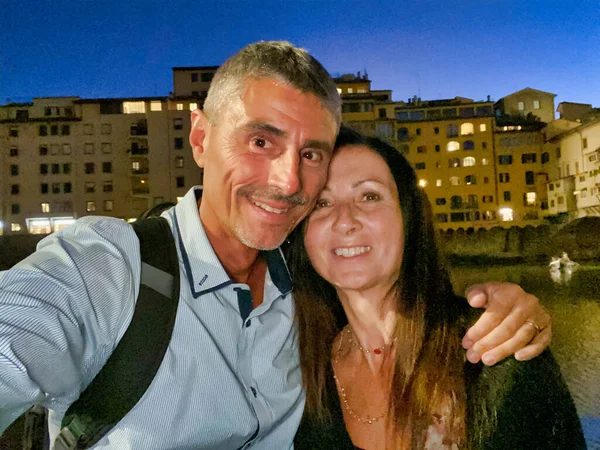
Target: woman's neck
point(371, 315)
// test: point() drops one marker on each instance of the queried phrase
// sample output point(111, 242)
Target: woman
point(387, 369)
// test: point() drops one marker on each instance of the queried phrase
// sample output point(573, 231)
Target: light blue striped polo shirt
point(226, 381)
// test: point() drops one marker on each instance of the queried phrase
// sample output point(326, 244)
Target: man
point(230, 378)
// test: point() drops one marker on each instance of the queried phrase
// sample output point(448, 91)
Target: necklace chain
point(365, 420)
point(354, 342)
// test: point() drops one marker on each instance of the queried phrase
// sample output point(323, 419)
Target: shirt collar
point(203, 268)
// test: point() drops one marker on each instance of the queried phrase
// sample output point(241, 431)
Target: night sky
point(434, 49)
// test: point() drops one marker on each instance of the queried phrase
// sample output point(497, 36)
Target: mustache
point(274, 194)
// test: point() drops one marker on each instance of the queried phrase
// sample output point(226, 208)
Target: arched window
point(456, 202)
point(452, 130)
point(453, 146)
point(468, 145)
point(466, 129)
point(472, 201)
point(454, 162)
point(468, 161)
point(470, 179)
point(454, 181)
point(403, 134)
point(545, 157)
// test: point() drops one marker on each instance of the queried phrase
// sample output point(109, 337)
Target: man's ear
point(198, 131)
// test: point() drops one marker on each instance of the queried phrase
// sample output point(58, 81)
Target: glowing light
point(506, 214)
point(422, 182)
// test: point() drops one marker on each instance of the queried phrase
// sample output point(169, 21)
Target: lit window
point(453, 146)
point(466, 129)
point(155, 106)
point(39, 226)
point(15, 227)
point(422, 182)
point(339, 92)
point(90, 206)
point(45, 207)
point(530, 198)
point(179, 162)
point(135, 165)
point(485, 161)
point(468, 161)
point(438, 182)
point(108, 205)
point(521, 108)
point(482, 127)
point(59, 224)
point(179, 106)
point(361, 90)
point(506, 214)
point(536, 104)
point(453, 162)
point(470, 179)
point(134, 107)
point(193, 106)
point(350, 90)
point(454, 181)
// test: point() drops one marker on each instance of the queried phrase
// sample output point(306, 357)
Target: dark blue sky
point(435, 49)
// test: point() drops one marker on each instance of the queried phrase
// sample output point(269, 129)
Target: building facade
point(482, 164)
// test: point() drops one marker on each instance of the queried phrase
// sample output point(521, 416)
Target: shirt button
point(253, 391)
point(248, 323)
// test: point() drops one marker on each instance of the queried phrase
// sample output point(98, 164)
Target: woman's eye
point(371, 196)
point(321, 203)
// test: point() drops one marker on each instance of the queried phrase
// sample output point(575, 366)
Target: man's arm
point(62, 310)
point(514, 322)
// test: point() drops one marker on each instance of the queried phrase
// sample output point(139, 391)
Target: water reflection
point(575, 309)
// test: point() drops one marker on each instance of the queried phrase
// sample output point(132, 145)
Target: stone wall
point(579, 238)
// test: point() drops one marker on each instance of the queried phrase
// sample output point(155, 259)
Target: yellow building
point(528, 101)
point(521, 177)
point(63, 158)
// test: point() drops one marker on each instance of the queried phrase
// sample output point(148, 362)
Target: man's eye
point(260, 142)
point(312, 155)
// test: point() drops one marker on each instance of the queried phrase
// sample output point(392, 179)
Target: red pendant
point(377, 351)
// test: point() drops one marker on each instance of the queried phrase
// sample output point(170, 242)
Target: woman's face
point(355, 235)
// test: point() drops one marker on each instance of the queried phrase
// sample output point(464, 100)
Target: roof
point(528, 89)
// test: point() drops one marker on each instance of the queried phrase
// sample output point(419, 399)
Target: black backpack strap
point(130, 369)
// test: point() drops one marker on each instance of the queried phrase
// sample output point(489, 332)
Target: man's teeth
point(270, 209)
point(349, 252)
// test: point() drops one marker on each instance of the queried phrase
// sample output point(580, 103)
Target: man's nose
point(284, 173)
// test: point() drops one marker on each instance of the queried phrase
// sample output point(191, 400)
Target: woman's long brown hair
point(428, 374)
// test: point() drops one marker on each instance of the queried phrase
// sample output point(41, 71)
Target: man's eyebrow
point(258, 125)
point(319, 145)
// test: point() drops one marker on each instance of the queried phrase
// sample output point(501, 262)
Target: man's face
point(265, 160)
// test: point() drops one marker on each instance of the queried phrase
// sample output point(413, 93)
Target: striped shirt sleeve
point(62, 311)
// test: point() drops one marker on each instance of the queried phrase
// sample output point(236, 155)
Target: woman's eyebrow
point(367, 180)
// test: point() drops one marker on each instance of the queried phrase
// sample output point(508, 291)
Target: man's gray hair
point(271, 59)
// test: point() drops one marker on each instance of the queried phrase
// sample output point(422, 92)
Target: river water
point(575, 309)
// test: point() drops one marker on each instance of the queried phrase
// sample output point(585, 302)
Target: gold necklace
point(355, 343)
point(365, 420)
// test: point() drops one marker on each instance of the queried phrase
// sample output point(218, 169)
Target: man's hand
point(514, 322)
